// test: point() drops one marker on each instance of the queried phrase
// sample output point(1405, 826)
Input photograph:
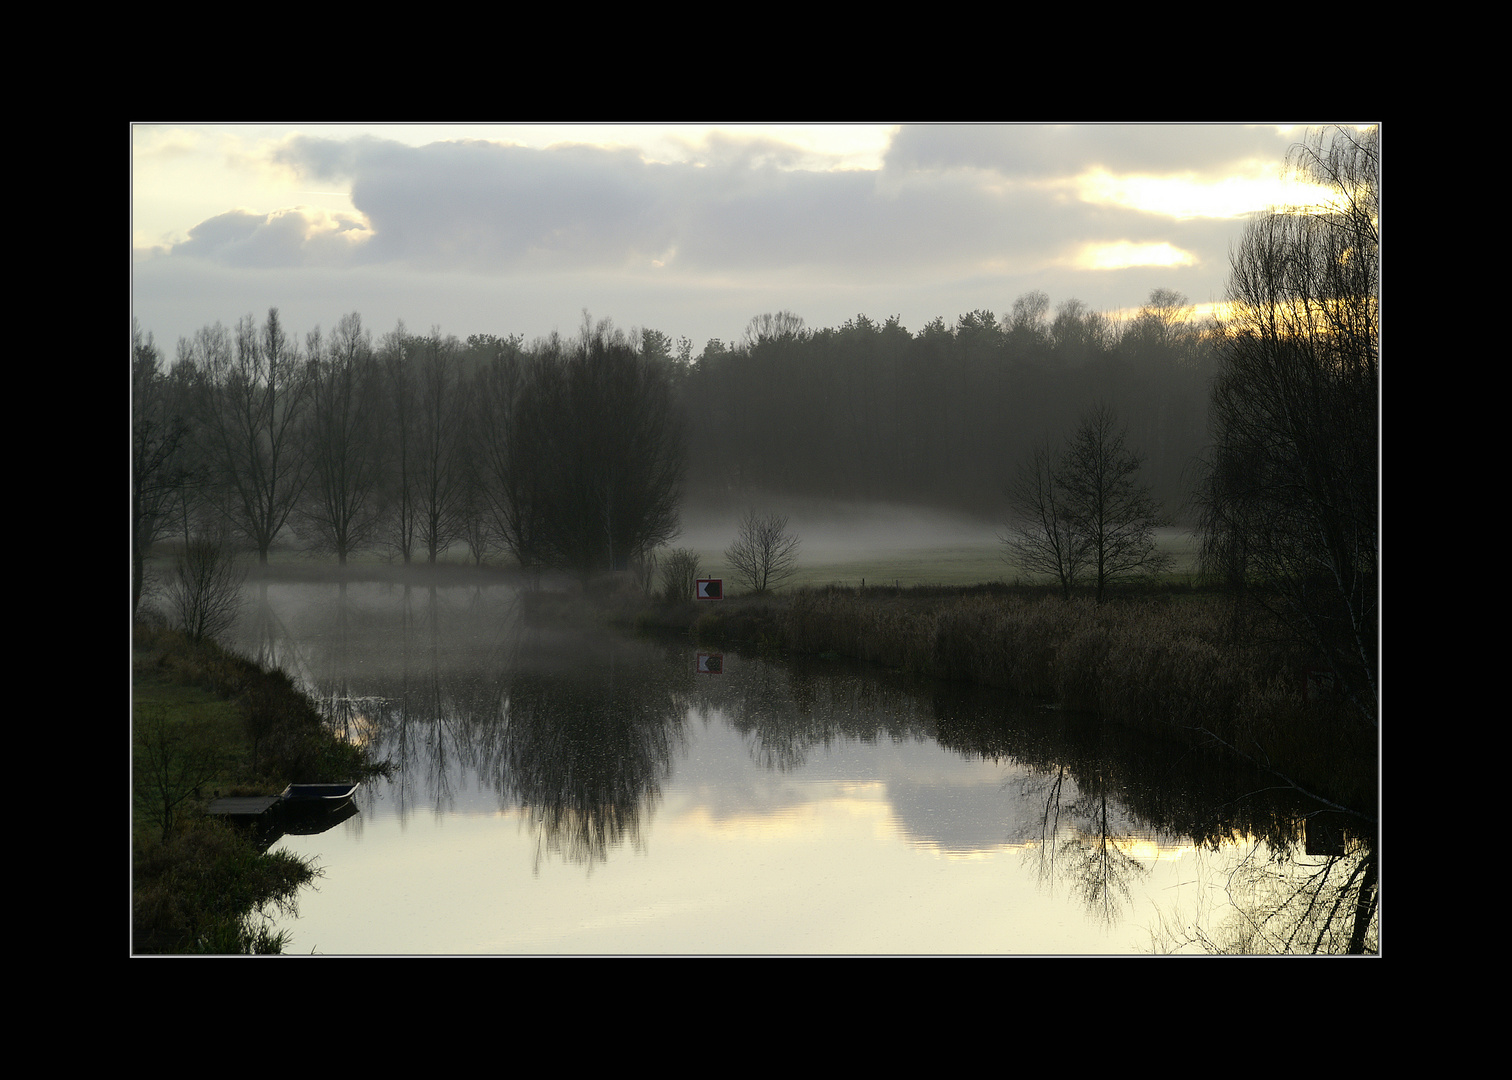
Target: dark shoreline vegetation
point(1178, 661)
point(208, 722)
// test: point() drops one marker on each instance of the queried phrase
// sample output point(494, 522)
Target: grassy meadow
point(962, 562)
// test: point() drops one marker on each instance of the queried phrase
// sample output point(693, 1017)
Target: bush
point(171, 761)
point(209, 890)
point(679, 574)
point(204, 595)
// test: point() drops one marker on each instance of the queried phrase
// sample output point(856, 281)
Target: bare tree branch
point(764, 553)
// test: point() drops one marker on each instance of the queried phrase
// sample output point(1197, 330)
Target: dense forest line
point(407, 443)
point(869, 410)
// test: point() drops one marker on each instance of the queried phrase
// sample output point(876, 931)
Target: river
point(560, 792)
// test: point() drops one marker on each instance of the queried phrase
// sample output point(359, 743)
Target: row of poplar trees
point(568, 455)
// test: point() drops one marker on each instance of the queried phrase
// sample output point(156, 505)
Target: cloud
point(743, 206)
point(1038, 152)
point(729, 225)
point(283, 238)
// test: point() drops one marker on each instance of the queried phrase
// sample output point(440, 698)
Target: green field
point(960, 564)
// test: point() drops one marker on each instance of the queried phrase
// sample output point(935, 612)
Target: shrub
point(679, 575)
point(204, 595)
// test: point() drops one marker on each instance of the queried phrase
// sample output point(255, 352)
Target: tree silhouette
point(1085, 511)
point(1289, 503)
point(764, 553)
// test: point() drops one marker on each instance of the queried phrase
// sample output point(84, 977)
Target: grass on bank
point(206, 721)
point(1165, 656)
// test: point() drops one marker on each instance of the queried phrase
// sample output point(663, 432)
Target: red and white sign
point(711, 663)
point(709, 588)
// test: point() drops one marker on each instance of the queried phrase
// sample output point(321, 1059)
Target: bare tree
point(1290, 502)
point(341, 501)
point(197, 491)
point(764, 553)
point(1083, 511)
point(442, 474)
point(259, 398)
point(159, 437)
point(171, 761)
point(401, 443)
point(509, 484)
point(204, 595)
point(1113, 516)
point(1029, 324)
point(1043, 538)
point(1079, 333)
point(768, 327)
point(679, 574)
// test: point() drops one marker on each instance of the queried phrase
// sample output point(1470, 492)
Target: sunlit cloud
point(1123, 254)
point(1192, 196)
point(295, 236)
point(151, 145)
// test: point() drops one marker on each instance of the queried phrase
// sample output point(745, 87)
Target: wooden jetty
point(242, 806)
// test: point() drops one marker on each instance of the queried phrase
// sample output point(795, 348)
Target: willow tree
point(584, 465)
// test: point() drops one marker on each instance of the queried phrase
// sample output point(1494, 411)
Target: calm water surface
point(557, 792)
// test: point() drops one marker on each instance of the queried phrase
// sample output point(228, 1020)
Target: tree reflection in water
point(577, 735)
point(586, 754)
point(1286, 902)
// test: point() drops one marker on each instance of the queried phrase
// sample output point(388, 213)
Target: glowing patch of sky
point(1190, 196)
point(1123, 254)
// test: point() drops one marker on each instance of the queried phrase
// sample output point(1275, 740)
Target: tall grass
point(1150, 662)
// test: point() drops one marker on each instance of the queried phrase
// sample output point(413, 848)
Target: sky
point(687, 229)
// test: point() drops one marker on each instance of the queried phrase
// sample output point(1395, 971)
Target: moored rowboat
point(316, 795)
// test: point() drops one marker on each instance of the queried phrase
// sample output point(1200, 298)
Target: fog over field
point(846, 541)
point(835, 531)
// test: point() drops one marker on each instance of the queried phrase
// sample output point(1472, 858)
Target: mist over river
point(560, 792)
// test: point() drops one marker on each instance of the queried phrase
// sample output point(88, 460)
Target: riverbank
point(208, 722)
point(1173, 660)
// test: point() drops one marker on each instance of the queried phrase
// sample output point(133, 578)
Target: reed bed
point(1161, 663)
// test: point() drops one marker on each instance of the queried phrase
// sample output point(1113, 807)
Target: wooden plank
point(242, 805)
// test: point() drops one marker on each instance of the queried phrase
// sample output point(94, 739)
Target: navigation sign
point(710, 663)
point(709, 588)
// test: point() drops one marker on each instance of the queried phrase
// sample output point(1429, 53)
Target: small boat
point(310, 819)
point(313, 796)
